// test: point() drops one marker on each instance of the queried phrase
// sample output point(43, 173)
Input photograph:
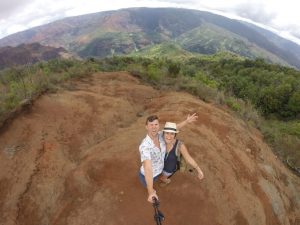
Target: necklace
point(169, 147)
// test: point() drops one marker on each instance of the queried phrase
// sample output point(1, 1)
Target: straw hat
point(170, 127)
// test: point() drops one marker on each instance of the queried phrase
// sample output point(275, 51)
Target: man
point(152, 151)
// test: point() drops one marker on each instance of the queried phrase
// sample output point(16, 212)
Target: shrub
point(233, 104)
point(173, 69)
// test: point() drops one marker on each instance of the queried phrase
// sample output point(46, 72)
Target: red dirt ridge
point(73, 159)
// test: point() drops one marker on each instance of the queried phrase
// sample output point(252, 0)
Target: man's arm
point(149, 180)
point(190, 119)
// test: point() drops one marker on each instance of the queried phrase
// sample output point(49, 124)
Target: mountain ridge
point(127, 30)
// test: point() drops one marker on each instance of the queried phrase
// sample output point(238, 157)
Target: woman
point(170, 163)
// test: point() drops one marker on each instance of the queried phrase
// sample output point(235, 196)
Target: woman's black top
point(170, 164)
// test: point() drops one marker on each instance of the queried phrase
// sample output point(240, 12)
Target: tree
point(294, 103)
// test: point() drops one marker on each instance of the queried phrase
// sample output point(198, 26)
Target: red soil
point(73, 160)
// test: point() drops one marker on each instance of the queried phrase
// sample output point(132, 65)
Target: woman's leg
point(164, 177)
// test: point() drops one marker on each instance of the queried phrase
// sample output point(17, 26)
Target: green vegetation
point(110, 43)
point(165, 50)
point(28, 82)
point(264, 95)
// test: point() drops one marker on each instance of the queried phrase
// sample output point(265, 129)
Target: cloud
point(7, 8)
point(297, 35)
point(257, 12)
point(25, 16)
point(178, 1)
point(291, 31)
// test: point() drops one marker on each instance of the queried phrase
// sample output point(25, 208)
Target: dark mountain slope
point(28, 54)
point(283, 43)
point(252, 35)
point(211, 39)
point(171, 22)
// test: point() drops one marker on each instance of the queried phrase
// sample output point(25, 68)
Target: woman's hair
point(151, 118)
point(171, 132)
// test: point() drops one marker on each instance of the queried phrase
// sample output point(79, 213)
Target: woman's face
point(169, 137)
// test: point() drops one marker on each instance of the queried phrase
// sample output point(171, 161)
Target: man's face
point(152, 128)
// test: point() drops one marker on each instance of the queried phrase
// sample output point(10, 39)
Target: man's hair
point(151, 118)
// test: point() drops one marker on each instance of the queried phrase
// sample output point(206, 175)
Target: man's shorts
point(143, 181)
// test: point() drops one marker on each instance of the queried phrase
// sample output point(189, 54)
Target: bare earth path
point(73, 160)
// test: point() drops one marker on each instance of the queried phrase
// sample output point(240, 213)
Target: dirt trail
point(73, 160)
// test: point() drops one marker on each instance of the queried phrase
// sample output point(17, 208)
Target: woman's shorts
point(166, 174)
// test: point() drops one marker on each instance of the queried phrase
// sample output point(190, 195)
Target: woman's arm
point(189, 119)
point(190, 160)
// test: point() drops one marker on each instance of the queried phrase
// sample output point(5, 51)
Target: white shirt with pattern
point(148, 150)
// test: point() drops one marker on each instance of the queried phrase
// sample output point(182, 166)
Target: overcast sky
point(281, 16)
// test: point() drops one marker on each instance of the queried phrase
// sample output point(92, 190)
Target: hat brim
point(170, 131)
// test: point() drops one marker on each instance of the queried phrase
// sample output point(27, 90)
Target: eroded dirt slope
point(73, 160)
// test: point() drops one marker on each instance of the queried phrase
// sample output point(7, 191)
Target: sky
point(281, 17)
